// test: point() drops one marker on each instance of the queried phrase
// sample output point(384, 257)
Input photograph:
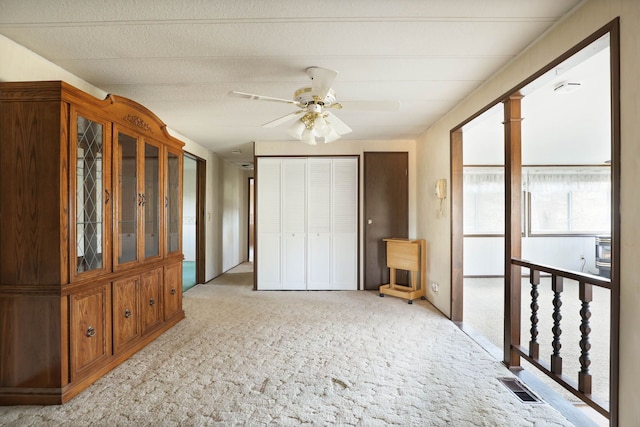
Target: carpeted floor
point(295, 358)
point(188, 275)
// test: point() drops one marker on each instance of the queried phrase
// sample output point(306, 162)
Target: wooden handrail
point(569, 274)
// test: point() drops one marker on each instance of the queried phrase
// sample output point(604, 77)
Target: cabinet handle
point(173, 291)
point(139, 199)
point(152, 302)
point(127, 313)
point(91, 332)
point(107, 196)
point(166, 201)
point(144, 199)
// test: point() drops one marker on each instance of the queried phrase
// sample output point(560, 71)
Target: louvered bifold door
point(344, 223)
point(319, 224)
point(268, 224)
point(294, 225)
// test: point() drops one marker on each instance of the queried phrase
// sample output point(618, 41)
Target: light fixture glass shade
point(322, 127)
point(296, 129)
point(308, 137)
point(331, 136)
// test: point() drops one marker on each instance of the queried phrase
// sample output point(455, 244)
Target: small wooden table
point(406, 254)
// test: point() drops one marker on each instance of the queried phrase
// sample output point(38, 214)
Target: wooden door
point(386, 211)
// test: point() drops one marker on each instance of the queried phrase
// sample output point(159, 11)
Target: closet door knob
point(173, 291)
point(90, 331)
point(152, 302)
point(127, 313)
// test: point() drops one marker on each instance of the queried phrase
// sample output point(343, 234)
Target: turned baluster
point(556, 359)
point(534, 346)
point(584, 377)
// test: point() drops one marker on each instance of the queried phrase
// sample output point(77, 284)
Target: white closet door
point(294, 225)
point(268, 224)
point(344, 224)
point(319, 224)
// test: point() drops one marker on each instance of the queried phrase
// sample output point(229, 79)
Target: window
point(568, 200)
point(483, 200)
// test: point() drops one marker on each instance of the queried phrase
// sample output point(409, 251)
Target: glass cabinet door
point(173, 202)
point(151, 201)
point(92, 198)
point(128, 198)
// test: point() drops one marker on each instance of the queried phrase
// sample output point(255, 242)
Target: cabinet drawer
point(172, 290)
point(90, 331)
point(126, 309)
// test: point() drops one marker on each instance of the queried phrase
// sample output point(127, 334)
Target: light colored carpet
point(295, 358)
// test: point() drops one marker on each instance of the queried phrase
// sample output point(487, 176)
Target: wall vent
point(520, 390)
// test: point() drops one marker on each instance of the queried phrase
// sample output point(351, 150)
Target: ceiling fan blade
point(337, 124)
point(387, 106)
point(282, 119)
point(243, 95)
point(321, 80)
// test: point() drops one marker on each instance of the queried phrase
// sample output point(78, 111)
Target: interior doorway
point(193, 221)
point(561, 125)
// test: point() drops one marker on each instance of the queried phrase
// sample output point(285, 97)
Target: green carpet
point(188, 275)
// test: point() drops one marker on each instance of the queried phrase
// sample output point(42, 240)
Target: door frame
point(251, 218)
point(201, 191)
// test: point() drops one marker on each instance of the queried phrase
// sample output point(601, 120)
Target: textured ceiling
point(181, 58)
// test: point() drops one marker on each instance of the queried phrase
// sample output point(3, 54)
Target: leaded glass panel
point(173, 203)
point(89, 195)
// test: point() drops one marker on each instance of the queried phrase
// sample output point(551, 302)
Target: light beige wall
point(213, 211)
point(17, 63)
point(226, 211)
point(235, 215)
point(433, 157)
point(353, 148)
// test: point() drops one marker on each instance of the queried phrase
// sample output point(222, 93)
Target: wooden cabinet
point(307, 223)
point(91, 260)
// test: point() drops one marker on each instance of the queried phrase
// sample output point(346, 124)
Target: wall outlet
point(435, 287)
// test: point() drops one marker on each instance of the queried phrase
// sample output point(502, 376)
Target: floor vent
point(520, 390)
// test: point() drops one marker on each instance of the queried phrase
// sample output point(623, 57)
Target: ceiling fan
point(313, 120)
